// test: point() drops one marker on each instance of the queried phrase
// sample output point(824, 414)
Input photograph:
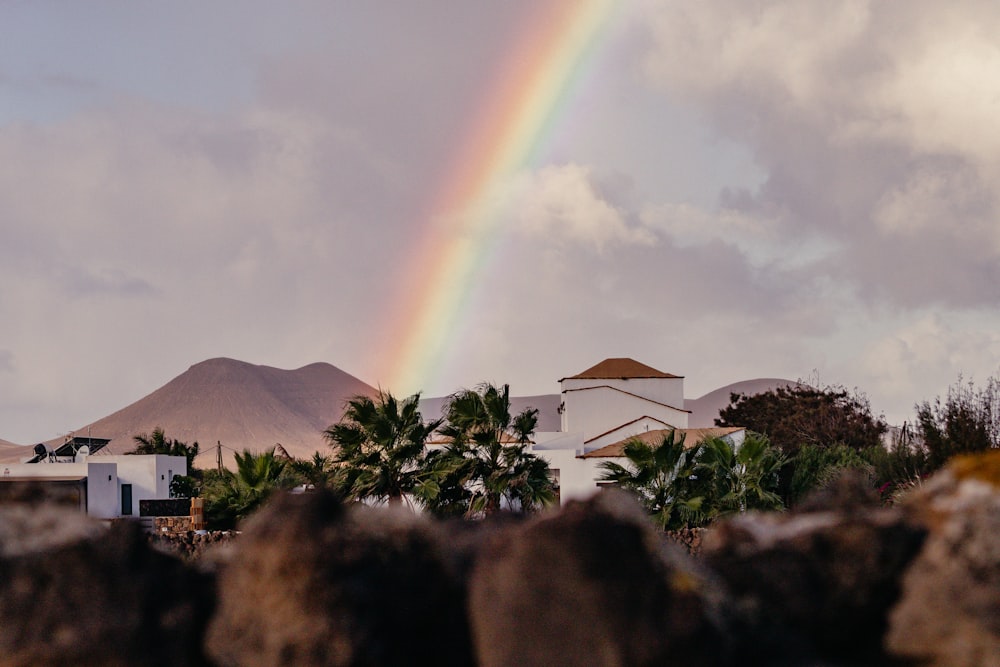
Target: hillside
point(238, 404)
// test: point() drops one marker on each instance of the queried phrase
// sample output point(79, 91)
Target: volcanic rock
point(592, 585)
point(314, 583)
point(949, 614)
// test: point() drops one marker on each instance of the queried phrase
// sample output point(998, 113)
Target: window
point(126, 499)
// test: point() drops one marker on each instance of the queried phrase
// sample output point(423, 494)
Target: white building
point(605, 406)
point(103, 486)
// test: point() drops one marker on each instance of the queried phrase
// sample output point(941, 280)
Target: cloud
point(925, 352)
point(874, 125)
point(6, 361)
point(560, 203)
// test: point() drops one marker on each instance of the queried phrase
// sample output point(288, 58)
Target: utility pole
point(218, 455)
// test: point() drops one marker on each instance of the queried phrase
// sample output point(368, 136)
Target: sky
point(720, 189)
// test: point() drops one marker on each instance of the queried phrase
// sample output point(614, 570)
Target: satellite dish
point(82, 454)
point(40, 450)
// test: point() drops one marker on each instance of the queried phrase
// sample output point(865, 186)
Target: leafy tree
point(793, 416)
point(486, 465)
point(380, 447)
point(232, 496)
point(664, 477)
point(966, 421)
point(899, 465)
point(743, 477)
point(815, 466)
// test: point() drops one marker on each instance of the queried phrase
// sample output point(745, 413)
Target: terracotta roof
point(627, 393)
point(619, 368)
point(692, 436)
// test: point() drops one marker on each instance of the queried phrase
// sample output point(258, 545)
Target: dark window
point(126, 499)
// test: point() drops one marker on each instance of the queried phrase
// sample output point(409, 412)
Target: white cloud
point(560, 202)
point(925, 353)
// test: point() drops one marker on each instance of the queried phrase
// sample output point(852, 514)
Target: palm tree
point(744, 477)
point(233, 496)
point(664, 478)
point(380, 446)
point(158, 443)
point(486, 464)
point(319, 472)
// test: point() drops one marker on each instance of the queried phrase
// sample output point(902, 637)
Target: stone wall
point(840, 581)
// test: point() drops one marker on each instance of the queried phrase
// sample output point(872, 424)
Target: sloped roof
point(626, 424)
point(692, 436)
point(627, 393)
point(620, 368)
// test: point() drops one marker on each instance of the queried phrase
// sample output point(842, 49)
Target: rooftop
point(620, 368)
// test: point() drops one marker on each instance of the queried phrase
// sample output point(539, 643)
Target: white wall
point(102, 487)
point(149, 475)
point(600, 409)
point(102, 492)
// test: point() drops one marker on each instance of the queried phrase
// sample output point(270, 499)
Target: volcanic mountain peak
point(241, 405)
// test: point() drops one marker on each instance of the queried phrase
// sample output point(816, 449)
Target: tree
point(232, 496)
point(380, 447)
point(793, 416)
point(814, 467)
point(743, 478)
point(966, 421)
point(486, 465)
point(319, 472)
point(664, 477)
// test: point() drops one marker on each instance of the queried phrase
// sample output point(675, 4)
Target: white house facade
point(605, 406)
point(103, 486)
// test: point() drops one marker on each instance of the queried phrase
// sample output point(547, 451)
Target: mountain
point(705, 410)
point(241, 405)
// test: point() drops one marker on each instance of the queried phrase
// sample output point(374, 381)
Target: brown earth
point(241, 405)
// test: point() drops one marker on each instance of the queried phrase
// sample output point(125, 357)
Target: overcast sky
point(735, 189)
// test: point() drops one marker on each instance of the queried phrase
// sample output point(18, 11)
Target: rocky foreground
point(312, 582)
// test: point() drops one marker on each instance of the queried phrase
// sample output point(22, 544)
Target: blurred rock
point(73, 591)
point(311, 582)
point(813, 583)
point(949, 614)
point(592, 585)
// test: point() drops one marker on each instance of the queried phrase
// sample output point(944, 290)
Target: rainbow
point(525, 102)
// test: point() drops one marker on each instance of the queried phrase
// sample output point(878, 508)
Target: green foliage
point(486, 465)
point(815, 466)
point(966, 421)
point(898, 466)
point(664, 477)
point(185, 486)
point(792, 417)
point(743, 478)
point(684, 487)
point(379, 447)
point(233, 496)
point(319, 472)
